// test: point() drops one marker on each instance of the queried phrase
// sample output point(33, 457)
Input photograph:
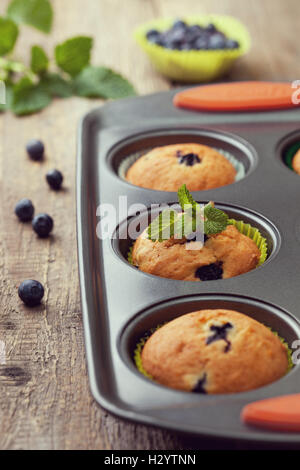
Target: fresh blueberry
point(220, 333)
point(35, 149)
point(232, 44)
point(152, 34)
point(217, 41)
point(193, 33)
point(24, 210)
point(189, 160)
point(211, 272)
point(201, 43)
point(54, 179)
point(42, 224)
point(31, 292)
point(178, 35)
point(179, 24)
point(211, 28)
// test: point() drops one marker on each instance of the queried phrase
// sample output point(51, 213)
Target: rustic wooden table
point(45, 400)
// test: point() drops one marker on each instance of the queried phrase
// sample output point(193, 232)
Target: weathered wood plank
point(44, 393)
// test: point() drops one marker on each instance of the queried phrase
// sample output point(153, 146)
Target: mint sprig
point(185, 198)
point(215, 220)
point(162, 228)
point(74, 54)
point(179, 225)
point(36, 13)
point(39, 60)
point(101, 82)
point(32, 87)
point(9, 32)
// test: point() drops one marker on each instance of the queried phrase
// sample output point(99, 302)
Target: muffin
point(167, 168)
point(214, 352)
point(223, 255)
point(296, 162)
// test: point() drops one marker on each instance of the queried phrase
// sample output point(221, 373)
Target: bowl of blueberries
point(194, 49)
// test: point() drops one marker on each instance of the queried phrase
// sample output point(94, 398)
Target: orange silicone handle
point(279, 414)
point(238, 96)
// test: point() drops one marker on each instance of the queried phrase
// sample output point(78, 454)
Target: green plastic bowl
point(195, 66)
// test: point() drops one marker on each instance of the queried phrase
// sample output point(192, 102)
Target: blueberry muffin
point(296, 162)
point(167, 168)
point(214, 352)
point(223, 255)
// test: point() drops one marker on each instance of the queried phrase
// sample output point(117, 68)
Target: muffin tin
point(120, 303)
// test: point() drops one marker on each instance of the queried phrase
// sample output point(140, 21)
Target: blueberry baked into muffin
point(214, 352)
point(224, 252)
point(167, 168)
point(296, 162)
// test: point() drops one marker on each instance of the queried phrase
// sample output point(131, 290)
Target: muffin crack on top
point(166, 168)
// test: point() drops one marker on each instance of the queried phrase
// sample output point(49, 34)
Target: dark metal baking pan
point(119, 302)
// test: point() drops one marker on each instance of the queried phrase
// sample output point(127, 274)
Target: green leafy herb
point(185, 198)
point(215, 220)
point(28, 97)
point(102, 82)
point(39, 60)
point(31, 88)
point(162, 228)
point(56, 85)
point(73, 55)
point(8, 35)
point(190, 221)
point(36, 13)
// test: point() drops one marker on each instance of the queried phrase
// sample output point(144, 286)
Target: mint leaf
point(102, 82)
point(74, 54)
point(56, 86)
point(215, 220)
point(39, 60)
point(8, 35)
point(36, 13)
point(162, 228)
point(185, 198)
point(28, 97)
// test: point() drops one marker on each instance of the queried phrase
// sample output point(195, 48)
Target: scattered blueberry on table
point(54, 179)
point(184, 37)
point(31, 292)
point(24, 210)
point(35, 149)
point(42, 224)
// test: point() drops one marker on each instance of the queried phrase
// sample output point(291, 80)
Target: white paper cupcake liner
point(131, 159)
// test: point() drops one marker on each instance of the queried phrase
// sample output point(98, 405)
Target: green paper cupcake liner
point(255, 235)
point(137, 355)
point(195, 66)
point(131, 159)
point(245, 229)
point(289, 155)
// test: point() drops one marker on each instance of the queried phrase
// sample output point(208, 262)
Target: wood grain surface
point(45, 400)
